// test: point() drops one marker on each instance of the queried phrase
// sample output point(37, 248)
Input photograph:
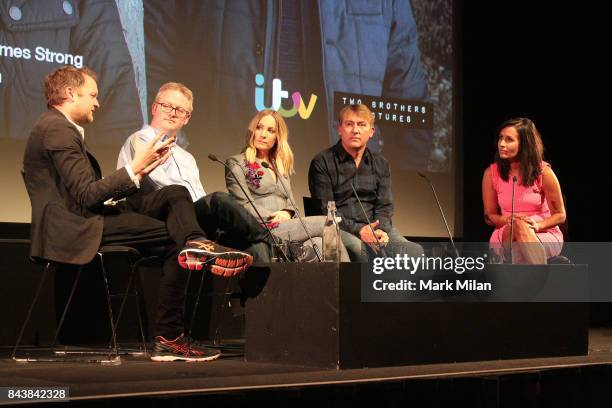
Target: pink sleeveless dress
point(528, 201)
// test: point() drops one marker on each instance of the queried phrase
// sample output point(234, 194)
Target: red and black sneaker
point(222, 261)
point(181, 349)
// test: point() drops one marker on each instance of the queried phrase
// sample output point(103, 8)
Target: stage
point(580, 380)
point(304, 359)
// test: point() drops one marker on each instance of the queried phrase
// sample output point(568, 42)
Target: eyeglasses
point(179, 112)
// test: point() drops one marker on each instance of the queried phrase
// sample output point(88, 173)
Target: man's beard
point(84, 119)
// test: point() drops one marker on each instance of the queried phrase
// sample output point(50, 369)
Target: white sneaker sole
point(187, 359)
point(196, 259)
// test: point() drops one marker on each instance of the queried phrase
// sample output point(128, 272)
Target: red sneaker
point(221, 260)
point(181, 349)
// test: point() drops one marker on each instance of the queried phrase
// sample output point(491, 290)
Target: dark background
point(549, 63)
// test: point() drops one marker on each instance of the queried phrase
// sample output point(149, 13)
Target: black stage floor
point(141, 378)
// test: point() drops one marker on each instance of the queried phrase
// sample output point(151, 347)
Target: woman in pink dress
point(538, 202)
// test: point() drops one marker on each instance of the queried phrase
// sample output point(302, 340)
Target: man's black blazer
point(67, 191)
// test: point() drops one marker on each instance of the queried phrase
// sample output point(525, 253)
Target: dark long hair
point(530, 153)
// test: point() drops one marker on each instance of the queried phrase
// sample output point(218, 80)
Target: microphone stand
point(380, 247)
point(450, 236)
point(297, 212)
point(246, 195)
point(512, 221)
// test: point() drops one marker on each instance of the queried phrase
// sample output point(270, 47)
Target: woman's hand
point(517, 216)
point(279, 216)
point(532, 224)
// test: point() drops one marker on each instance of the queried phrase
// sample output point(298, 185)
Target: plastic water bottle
point(331, 235)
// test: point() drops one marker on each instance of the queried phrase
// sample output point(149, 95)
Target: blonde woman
point(267, 157)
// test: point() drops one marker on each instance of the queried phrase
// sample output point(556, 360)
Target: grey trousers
point(292, 230)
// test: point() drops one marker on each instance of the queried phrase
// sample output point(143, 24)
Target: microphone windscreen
point(265, 164)
point(212, 157)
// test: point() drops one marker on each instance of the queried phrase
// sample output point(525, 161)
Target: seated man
point(171, 111)
point(335, 171)
point(71, 215)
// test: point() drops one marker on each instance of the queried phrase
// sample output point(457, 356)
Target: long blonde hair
point(281, 152)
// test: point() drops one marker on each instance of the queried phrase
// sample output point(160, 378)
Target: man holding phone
point(75, 210)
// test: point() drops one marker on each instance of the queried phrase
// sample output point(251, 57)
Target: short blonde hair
point(360, 110)
point(281, 152)
point(177, 86)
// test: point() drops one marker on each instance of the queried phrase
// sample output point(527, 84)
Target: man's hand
point(147, 156)
point(279, 216)
point(382, 236)
point(365, 233)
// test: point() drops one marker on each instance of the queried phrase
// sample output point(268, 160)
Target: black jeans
point(230, 224)
point(165, 218)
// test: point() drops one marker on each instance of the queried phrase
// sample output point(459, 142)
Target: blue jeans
point(360, 252)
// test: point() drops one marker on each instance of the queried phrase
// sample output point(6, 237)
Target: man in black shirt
point(335, 171)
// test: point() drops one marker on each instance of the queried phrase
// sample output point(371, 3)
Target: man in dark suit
point(75, 210)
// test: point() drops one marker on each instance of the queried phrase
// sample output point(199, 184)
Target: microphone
point(297, 212)
point(512, 221)
point(263, 222)
point(450, 236)
point(380, 247)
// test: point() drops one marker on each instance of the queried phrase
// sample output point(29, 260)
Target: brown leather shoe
point(221, 260)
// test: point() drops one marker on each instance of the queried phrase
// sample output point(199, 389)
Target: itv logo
point(278, 94)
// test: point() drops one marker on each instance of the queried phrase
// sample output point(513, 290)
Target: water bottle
point(331, 235)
